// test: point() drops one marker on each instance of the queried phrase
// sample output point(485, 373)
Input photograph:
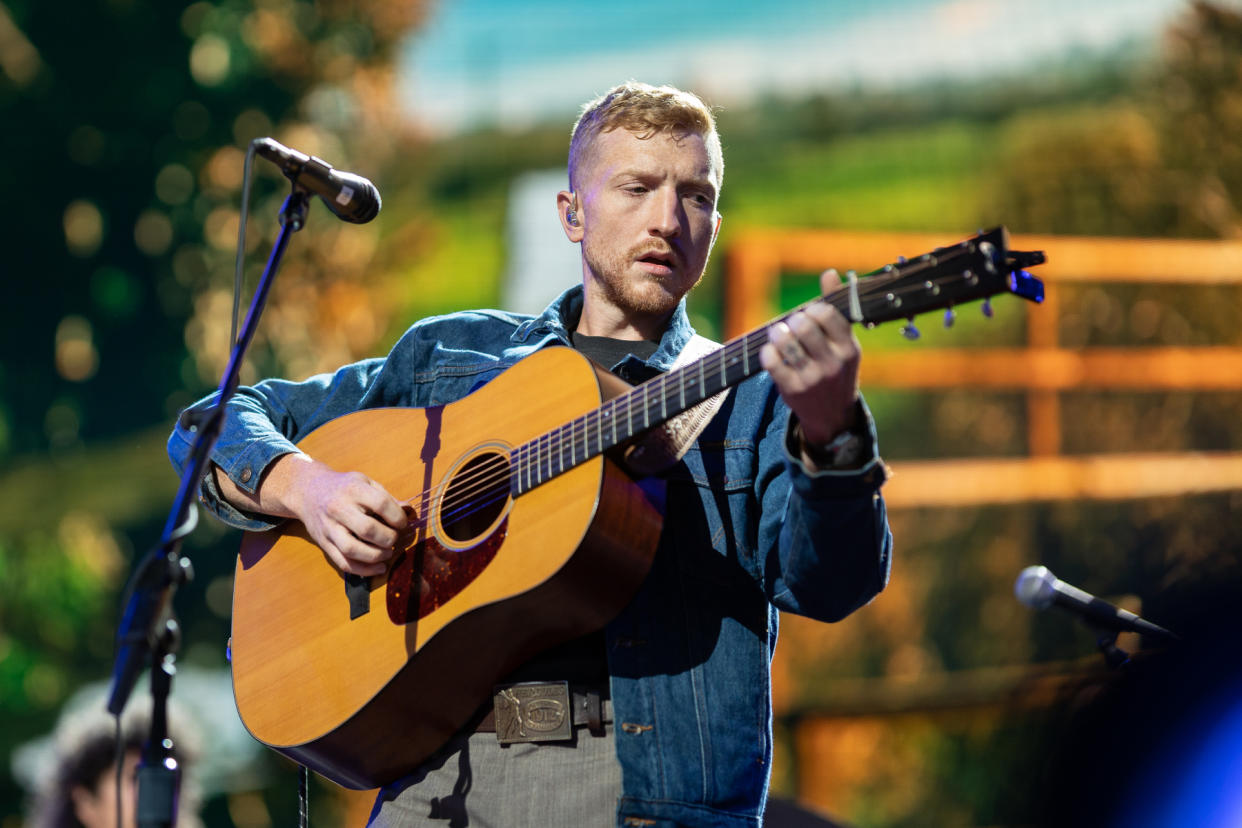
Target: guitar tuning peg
point(901, 260)
point(950, 316)
point(909, 331)
point(987, 308)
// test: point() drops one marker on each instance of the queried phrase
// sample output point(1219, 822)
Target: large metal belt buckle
point(533, 712)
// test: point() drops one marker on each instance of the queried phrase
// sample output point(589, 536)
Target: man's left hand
point(813, 359)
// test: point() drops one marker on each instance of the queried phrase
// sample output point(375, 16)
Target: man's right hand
point(353, 519)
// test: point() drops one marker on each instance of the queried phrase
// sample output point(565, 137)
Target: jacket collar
point(560, 318)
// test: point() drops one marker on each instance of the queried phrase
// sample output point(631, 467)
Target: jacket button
point(246, 475)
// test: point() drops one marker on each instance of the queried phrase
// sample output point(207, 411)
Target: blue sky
point(521, 61)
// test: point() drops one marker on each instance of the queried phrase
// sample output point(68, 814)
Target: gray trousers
point(475, 782)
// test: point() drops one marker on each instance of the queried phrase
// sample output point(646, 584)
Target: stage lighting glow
point(1196, 779)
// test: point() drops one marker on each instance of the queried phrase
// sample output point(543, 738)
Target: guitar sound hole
point(475, 496)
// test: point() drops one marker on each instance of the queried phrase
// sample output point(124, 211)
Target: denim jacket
point(754, 533)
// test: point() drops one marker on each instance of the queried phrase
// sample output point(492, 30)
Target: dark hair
point(86, 752)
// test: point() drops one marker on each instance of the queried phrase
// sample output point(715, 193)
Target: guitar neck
point(977, 268)
point(646, 406)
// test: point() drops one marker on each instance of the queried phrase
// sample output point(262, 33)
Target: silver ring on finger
point(792, 355)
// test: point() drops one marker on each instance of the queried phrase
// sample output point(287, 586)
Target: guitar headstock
point(977, 268)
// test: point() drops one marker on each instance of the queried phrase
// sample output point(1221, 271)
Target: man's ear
point(716, 231)
point(567, 212)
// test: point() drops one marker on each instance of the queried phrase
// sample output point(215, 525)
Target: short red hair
point(644, 110)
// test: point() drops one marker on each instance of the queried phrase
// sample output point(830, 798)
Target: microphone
point(1039, 589)
point(351, 197)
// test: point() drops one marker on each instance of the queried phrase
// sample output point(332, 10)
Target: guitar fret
point(723, 380)
point(663, 398)
point(547, 441)
point(646, 405)
point(702, 386)
point(530, 465)
point(532, 472)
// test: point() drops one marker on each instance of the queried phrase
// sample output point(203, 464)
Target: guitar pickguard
point(441, 572)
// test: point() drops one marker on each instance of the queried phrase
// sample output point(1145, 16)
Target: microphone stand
point(149, 625)
point(1106, 639)
point(159, 774)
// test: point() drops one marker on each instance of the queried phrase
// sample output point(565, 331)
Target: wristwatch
point(845, 451)
point(841, 452)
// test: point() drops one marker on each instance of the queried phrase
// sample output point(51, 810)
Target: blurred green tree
point(1162, 162)
point(1199, 101)
point(130, 123)
point(125, 128)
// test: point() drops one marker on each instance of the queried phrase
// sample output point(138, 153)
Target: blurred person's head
point(80, 789)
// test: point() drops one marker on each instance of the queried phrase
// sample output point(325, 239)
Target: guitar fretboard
point(630, 414)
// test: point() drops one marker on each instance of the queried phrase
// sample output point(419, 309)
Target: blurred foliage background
point(126, 123)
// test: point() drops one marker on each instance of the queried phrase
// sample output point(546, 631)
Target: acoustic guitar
point(524, 532)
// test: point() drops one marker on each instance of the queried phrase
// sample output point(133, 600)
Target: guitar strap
point(666, 444)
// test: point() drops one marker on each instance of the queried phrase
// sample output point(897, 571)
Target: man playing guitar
point(774, 506)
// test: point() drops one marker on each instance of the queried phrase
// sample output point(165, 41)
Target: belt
point(544, 711)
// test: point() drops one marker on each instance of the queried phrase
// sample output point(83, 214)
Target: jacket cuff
point(832, 483)
point(246, 470)
point(227, 513)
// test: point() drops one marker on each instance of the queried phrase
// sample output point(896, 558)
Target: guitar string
point(574, 437)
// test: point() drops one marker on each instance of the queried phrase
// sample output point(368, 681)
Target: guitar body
point(471, 595)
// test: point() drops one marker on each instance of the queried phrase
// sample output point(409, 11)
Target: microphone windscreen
point(1035, 587)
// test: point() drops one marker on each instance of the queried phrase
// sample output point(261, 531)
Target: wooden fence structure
point(758, 258)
